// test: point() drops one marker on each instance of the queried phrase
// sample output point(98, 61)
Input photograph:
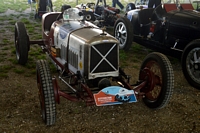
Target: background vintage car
point(170, 29)
point(100, 13)
point(144, 4)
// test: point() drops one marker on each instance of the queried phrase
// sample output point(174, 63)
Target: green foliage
point(5, 68)
point(13, 51)
point(5, 41)
point(5, 48)
point(25, 21)
point(12, 22)
point(3, 30)
point(3, 75)
point(122, 55)
point(1, 59)
point(3, 9)
point(30, 65)
point(52, 68)
point(13, 60)
point(19, 71)
point(3, 18)
point(3, 53)
point(41, 56)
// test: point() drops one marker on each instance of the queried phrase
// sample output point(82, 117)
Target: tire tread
point(47, 86)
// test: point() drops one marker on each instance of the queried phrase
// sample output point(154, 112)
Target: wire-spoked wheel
point(123, 32)
point(156, 69)
point(191, 63)
point(46, 92)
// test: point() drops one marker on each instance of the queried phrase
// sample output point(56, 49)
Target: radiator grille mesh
point(73, 58)
point(104, 58)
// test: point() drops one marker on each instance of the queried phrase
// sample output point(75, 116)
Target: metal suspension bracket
point(124, 75)
point(174, 47)
point(67, 84)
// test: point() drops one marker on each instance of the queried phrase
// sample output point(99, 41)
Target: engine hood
point(85, 32)
point(67, 27)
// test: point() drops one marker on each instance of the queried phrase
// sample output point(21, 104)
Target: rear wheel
point(123, 31)
point(21, 43)
point(46, 92)
point(157, 71)
point(191, 63)
point(130, 6)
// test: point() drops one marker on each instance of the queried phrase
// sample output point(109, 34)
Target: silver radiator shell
point(82, 47)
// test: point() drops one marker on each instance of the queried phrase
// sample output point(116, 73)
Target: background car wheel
point(123, 31)
point(130, 6)
point(191, 63)
point(89, 16)
point(46, 92)
point(21, 43)
point(156, 69)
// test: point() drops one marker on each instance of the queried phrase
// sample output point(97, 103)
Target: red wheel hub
point(147, 75)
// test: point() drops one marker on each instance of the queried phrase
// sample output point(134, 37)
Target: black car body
point(175, 32)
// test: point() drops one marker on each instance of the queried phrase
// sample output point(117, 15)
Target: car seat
point(48, 21)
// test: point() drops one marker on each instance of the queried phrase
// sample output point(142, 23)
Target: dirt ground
point(20, 109)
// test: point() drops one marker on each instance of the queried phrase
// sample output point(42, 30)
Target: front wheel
point(21, 43)
point(46, 92)
point(157, 71)
point(191, 63)
point(123, 31)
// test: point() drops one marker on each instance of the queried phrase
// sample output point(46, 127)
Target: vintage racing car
point(139, 4)
point(171, 4)
point(100, 13)
point(88, 65)
point(172, 31)
point(88, 10)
